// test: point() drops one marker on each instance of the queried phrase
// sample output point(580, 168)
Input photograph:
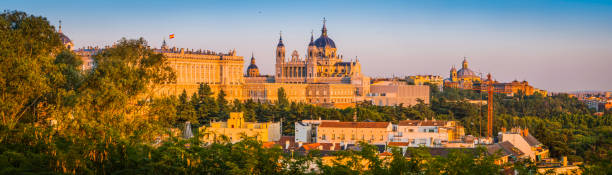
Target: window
point(333, 136)
point(411, 130)
point(323, 137)
point(353, 137)
point(382, 137)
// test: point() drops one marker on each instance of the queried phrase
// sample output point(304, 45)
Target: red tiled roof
point(329, 146)
point(421, 123)
point(269, 144)
point(354, 124)
point(409, 123)
point(311, 146)
point(385, 154)
point(433, 123)
point(283, 141)
point(398, 144)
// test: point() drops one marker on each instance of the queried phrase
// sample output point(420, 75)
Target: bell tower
point(453, 74)
point(280, 56)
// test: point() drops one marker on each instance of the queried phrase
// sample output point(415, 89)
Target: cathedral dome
point(252, 66)
point(465, 72)
point(65, 40)
point(324, 41)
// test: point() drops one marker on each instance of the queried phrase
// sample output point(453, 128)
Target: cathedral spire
point(280, 39)
point(324, 29)
point(60, 26)
point(252, 58)
point(311, 38)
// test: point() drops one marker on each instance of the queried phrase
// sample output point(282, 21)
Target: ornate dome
point(252, 66)
point(252, 70)
point(65, 40)
point(465, 72)
point(324, 41)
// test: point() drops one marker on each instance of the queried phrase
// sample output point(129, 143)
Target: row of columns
point(294, 71)
point(187, 73)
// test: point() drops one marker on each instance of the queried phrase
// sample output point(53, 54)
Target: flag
point(171, 36)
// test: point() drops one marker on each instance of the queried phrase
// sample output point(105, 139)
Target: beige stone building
point(235, 128)
point(353, 132)
point(424, 79)
point(390, 93)
point(221, 71)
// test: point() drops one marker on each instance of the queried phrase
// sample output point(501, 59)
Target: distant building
point(525, 142)
point(353, 132)
point(429, 133)
point(235, 127)
point(306, 130)
point(464, 78)
point(391, 93)
point(425, 79)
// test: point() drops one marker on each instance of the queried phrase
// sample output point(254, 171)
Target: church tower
point(465, 63)
point(280, 57)
point(311, 64)
point(453, 74)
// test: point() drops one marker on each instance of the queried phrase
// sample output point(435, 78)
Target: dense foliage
point(57, 118)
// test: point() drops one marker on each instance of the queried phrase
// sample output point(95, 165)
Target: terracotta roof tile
point(409, 123)
point(311, 146)
point(398, 144)
point(354, 124)
point(385, 154)
point(421, 123)
point(269, 144)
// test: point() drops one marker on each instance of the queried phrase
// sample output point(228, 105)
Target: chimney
point(564, 161)
point(526, 132)
point(503, 129)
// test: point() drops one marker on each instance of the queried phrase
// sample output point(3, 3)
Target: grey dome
point(324, 41)
point(465, 72)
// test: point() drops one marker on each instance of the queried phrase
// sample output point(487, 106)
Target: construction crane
point(490, 90)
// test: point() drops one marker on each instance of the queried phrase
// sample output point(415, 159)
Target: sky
point(555, 45)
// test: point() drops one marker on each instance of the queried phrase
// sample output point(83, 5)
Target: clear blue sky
point(555, 45)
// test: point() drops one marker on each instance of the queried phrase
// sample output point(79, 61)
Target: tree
point(223, 112)
point(282, 98)
point(27, 46)
point(206, 106)
point(185, 110)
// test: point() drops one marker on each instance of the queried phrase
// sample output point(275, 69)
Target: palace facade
point(319, 77)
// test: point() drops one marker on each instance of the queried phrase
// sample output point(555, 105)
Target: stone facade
point(391, 93)
point(236, 127)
